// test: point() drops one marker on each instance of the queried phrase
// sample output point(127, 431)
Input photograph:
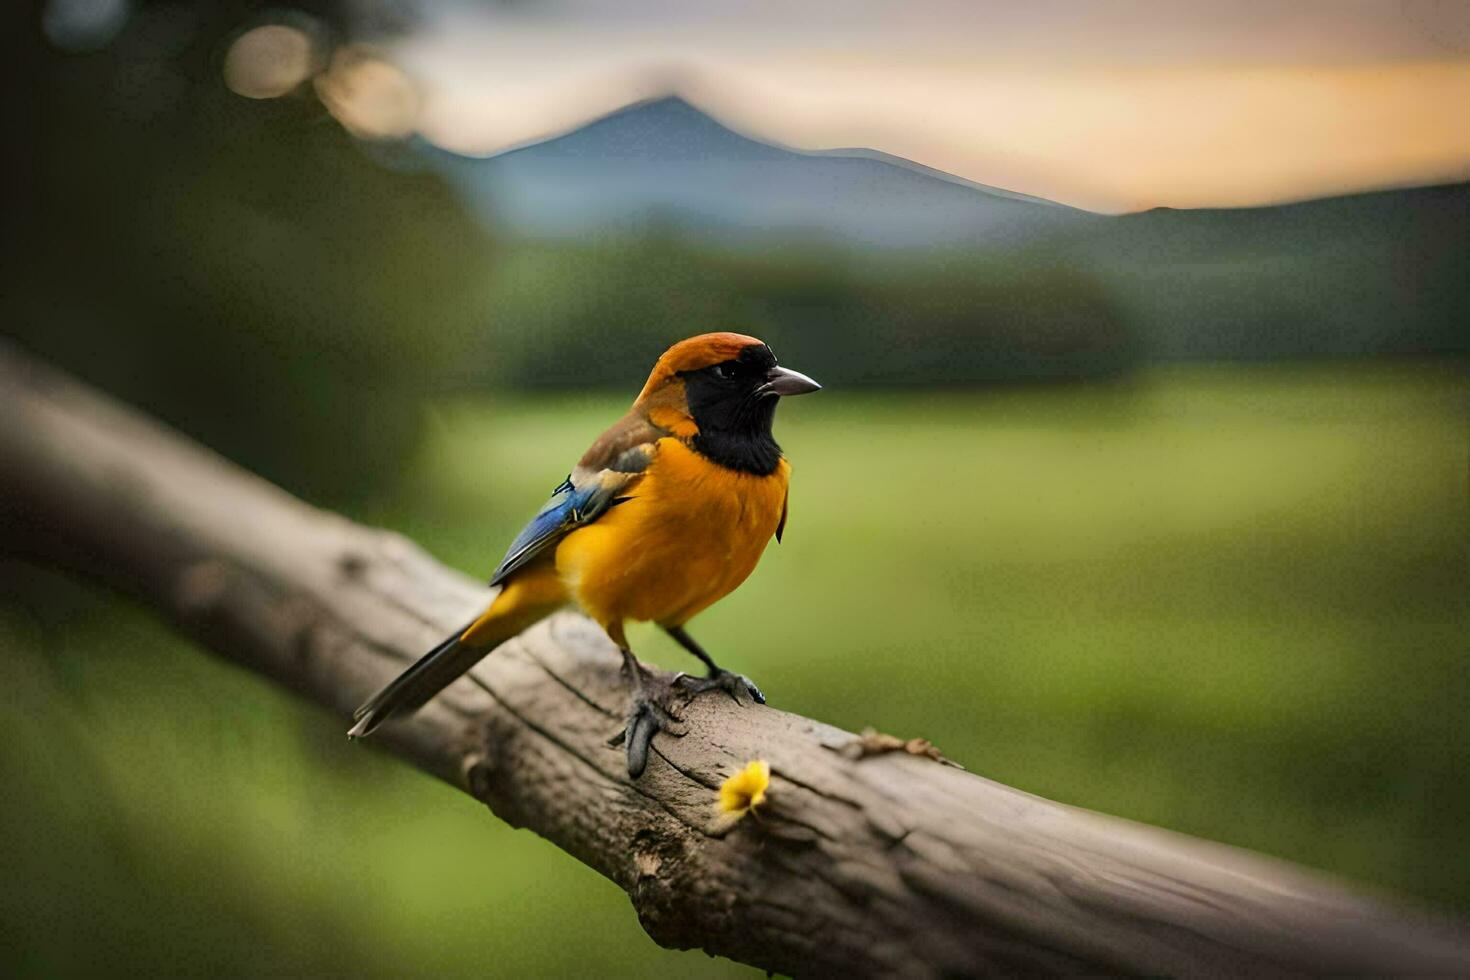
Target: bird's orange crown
point(697, 352)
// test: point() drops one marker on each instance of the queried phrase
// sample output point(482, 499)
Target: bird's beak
point(784, 381)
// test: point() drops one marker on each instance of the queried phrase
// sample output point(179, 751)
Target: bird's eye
point(724, 371)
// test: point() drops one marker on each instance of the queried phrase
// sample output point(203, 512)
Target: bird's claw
point(742, 689)
point(650, 715)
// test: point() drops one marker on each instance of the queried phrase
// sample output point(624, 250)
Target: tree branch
point(893, 864)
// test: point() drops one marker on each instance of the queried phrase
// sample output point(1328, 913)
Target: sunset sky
point(1109, 106)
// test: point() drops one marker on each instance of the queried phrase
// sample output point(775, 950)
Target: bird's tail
point(533, 594)
point(413, 688)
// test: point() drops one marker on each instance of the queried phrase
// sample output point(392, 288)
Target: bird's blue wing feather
point(568, 507)
point(610, 467)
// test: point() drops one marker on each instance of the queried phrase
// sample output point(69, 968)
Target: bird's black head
point(733, 403)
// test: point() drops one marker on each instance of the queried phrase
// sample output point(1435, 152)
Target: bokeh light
point(269, 61)
point(368, 95)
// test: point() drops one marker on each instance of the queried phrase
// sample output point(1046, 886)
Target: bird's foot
point(742, 689)
point(653, 711)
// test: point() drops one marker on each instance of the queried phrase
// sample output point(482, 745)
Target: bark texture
point(892, 864)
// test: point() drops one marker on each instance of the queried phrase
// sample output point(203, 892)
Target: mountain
point(1379, 272)
point(665, 162)
point(969, 282)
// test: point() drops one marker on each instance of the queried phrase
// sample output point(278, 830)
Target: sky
point(1110, 106)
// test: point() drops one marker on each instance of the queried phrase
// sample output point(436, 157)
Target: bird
point(665, 514)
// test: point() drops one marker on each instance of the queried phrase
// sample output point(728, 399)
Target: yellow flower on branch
point(742, 793)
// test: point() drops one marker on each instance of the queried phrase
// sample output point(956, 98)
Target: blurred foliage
point(1227, 600)
point(572, 315)
point(241, 268)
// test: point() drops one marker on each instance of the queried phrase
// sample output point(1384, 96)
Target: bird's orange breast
point(690, 533)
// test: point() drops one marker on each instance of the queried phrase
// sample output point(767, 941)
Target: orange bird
point(665, 515)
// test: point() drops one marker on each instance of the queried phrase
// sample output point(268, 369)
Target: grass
point(1229, 600)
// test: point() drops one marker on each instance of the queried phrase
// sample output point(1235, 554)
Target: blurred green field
point(1230, 600)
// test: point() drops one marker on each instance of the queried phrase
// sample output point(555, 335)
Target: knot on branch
point(200, 587)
